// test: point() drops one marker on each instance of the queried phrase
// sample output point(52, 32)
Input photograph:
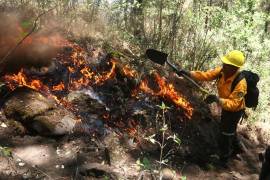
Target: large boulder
point(38, 113)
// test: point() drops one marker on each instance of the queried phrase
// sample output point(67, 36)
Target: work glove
point(181, 72)
point(211, 98)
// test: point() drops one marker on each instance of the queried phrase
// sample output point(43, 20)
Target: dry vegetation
point(80, 101)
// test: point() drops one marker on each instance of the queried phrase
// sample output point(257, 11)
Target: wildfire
point(74, 66)
point(20, 79)
point(101, 78)
point(168, 91)
point(86, 72)
point(81, 75)
point(59, 87)
point(129, 72)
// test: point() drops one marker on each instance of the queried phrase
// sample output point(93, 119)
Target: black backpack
point(252, 96)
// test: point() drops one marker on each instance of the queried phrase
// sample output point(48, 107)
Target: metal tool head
point(156, 56)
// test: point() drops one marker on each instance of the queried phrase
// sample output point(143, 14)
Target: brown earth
point(114, 155)
point(46, 141)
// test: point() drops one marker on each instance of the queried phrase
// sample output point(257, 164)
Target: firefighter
point(231, 101)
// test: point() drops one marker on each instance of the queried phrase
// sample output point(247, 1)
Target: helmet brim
point(225, 60)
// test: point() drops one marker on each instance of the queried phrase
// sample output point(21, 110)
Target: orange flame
point(20, 79)
point(87, 73)
point(100, 79)
point(81, 75)
point(129, 72)
point(168, 91)
point(76, 64)
point(59, 87)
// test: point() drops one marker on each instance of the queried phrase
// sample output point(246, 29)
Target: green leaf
point(26, 24)
point(5, 151)
point(163, 106)
point(164, 161)
point(151, 138)
point(152, 141)
point(164, 128)
point(138, 162)
point(183, 178)
point(175, 139)
point(146, 163)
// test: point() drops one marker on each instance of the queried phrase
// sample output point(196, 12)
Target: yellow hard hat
point(235, 58)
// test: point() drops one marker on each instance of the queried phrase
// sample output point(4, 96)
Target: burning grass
point(72, 70)
point(167, 91)
point(81, 75)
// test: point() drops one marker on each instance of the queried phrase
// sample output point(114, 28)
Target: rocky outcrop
point(38, 113)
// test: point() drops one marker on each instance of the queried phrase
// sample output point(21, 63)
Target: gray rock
point(87, 101)
point(55, 122)
point(38, 113)
point(26, 103)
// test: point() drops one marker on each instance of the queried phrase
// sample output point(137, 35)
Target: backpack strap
point(236, 80)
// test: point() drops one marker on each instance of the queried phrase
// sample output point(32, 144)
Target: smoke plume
point(36, 50)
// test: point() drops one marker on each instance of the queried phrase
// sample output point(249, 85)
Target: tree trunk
point(126, 14)
point(207, 16)
point(266, 27)
point(95, 9)
point(267, 21)
point(160, 23)
point(175, 25)
point(138, 20)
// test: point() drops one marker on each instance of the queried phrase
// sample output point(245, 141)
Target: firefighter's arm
point(207, 75)
point(236, 100)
